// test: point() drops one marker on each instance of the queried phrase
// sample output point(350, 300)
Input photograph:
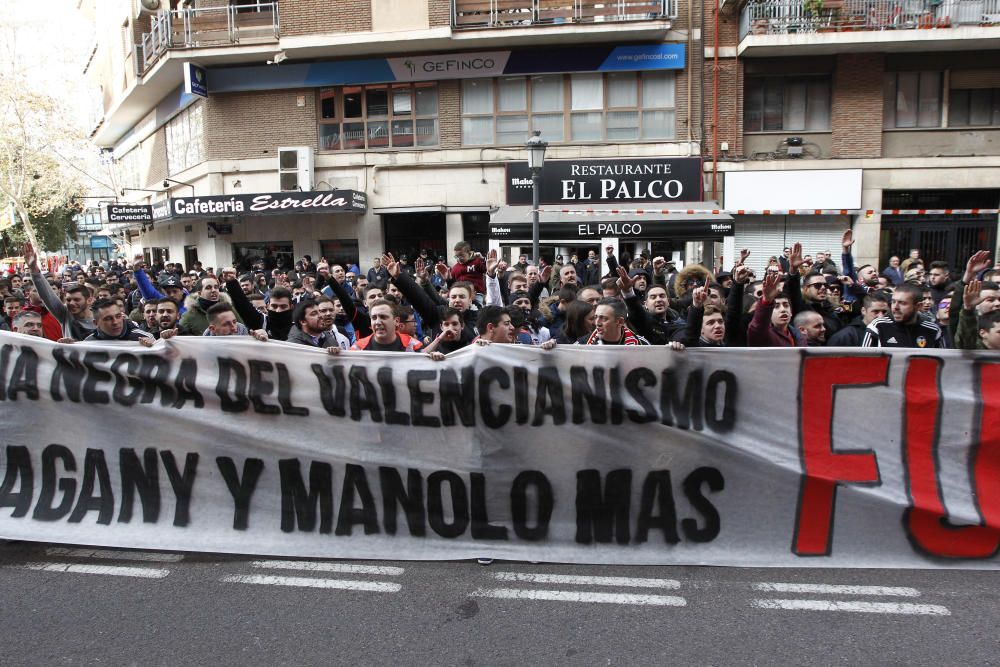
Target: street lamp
point(536, 160)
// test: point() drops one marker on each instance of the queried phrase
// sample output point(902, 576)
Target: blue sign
point(634, 57)
point(195, 80)
point(100, 242)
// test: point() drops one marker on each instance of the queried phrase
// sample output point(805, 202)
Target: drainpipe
point(690, 27)
point(715, 104)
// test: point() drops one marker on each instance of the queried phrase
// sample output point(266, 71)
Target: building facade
point(420, 109)
point(857, 104)
point(413, 112)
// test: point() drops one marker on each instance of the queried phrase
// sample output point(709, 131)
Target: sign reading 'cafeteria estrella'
point(333, 201)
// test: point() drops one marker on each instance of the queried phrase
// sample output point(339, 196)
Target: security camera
point(279, 58)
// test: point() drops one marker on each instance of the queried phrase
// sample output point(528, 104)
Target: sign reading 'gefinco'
point(449, 66)
point(333, 201)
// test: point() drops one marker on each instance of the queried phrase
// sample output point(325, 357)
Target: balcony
point(207, 27)
point(471, 14)
point(912, 25)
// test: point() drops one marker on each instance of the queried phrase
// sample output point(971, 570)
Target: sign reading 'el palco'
point(608, 181)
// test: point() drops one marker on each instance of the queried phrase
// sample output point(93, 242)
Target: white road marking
point(580, 596)
point(317, 566)
point(837, 589)
point(308, 582)
point(862, 607)
point(149, 556)
point(633, 582)
point(113, 570)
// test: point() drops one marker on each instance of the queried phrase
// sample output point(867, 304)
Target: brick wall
point(693, 73)
point(439, 13)
point(312, 17)
point(856, 106)
point(244, 125)
point(450, 114)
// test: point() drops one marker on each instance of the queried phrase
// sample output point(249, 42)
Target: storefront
point(273, 229)
point(591, 204)
point(766, 235)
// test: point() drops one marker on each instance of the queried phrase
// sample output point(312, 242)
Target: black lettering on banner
point(636, 379)
point(231, 387)
point(24, 377)
point(258, 387)
point(411, 499)
point(241, 490)
point(285, 393)
point(361, 384)
point(550, 386)
point(68, 372)
point(332, 389)
point(141, 477)
point(95, 469)
point(501, 415)
point(686, 410)
point(298, 503)
point(521, 395)
point(95, 374)
point(617, 405)
point(356, 484)
point(692, 489)
point(5, 352)
point(601, 513)
point(726, 422)
point(154, 372)
point(593, 396)
point(17, 471)
point(127, 387)
point(544, 503)
point(458, 396)
point(44, 511)
point(187, 384)
point(392, 416)
point(181, 483)
point(482, 529)
point(657, 494)
point(419, 398)
point(459, 503)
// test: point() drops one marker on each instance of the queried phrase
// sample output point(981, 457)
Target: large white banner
point(750, 457)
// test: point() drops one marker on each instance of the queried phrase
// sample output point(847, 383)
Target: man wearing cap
point(169, 287)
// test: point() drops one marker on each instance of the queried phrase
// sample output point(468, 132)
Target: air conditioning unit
point(295, 168)
point(148, 7)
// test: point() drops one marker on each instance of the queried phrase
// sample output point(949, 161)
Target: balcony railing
point(781, 17)
point(206, 26)
point(516, 13)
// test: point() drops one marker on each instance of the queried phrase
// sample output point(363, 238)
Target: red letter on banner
point(926, 519)
point(823, 467)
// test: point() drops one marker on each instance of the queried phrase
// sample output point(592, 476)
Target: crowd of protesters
point(435, 308)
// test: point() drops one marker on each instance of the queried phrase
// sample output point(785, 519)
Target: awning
point(596, 221)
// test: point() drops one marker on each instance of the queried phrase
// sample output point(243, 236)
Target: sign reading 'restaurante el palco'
point(639, 180)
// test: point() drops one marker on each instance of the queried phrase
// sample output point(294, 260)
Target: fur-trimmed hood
point(687, 273)
point(191, 300)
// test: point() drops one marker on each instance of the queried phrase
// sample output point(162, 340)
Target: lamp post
point(536, 160)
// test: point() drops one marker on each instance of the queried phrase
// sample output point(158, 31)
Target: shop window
point(912, 99)
point(619, 106)
point(977, 107)
point(786, 104)
point(400, 115)
point(342, 251)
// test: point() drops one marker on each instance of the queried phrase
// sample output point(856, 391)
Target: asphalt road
point(64, 605)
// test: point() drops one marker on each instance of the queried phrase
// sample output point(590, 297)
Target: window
point(399, 115)
point(912, 99)
point(619, 106)
point(975, 107)
point(127, 170)
point(185, 139)
point(786, 104)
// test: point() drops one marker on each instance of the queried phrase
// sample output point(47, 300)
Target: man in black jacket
point(906, 327)
point(431, 307)
point(875, 305)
